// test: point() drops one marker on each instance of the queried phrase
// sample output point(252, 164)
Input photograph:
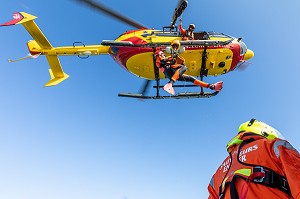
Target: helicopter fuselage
point(219, 59)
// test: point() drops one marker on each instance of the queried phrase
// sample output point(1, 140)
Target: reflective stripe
point(284, 144)
point(223, 183)
point(212, 182)
point(245, 172)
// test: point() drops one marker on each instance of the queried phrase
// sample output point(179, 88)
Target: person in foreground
point(261, 164)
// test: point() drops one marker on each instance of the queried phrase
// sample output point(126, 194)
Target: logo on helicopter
point(17, 16)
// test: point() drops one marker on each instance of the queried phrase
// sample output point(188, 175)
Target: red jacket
point(187, 35)
point(258, 168)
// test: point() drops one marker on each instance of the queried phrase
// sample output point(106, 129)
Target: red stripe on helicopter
point(122, 54)
point(235, 48)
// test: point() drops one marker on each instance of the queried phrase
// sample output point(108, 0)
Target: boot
point(169, 88)
point(216, 86)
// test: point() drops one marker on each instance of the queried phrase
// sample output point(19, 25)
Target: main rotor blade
point(182, 4)
point(100, 7)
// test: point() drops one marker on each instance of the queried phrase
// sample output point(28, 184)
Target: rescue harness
point(252, 174)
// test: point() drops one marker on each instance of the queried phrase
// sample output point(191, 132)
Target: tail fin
point(27, 21)
point(40, 43)
point(56, 73)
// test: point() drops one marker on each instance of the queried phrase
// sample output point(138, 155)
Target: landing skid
point(187, 95)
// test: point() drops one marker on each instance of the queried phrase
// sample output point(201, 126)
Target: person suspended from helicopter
point(261, 164)
point(187, 34)
point(173, 67)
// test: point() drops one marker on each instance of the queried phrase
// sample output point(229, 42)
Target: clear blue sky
point(79, 140)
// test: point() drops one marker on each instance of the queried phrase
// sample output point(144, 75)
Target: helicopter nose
point(249, 54)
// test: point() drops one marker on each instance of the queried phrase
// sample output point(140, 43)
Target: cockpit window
point(243, 48)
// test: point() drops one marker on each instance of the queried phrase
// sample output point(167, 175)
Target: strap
point(275, 180)
point(253, 177)
point(269, 178)
point(233, 191)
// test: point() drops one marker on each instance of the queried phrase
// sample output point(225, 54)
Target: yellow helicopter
point(209, 53)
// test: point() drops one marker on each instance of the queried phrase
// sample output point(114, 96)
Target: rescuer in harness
point(173, 67)
point(261, 164)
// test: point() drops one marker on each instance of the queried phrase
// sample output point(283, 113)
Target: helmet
point(256, 127)
point(159, 53)
point(175, 45)
point(192, 26)
point(260, 128)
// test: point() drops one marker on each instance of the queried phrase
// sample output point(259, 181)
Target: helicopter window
point(167, 34)
point(217, 34)
point(163, 34)
point(200, 35)
point(243, 47)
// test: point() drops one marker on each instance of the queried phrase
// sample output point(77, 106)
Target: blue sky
point(79, 140)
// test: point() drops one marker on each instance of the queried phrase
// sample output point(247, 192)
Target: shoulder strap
point(271, 178)
point(274, 180)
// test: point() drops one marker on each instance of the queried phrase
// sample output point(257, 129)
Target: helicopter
point(209, 53)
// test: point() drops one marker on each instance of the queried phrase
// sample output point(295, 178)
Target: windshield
point(243, 48)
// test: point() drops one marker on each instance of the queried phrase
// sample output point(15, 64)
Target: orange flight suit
point(258, 168)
